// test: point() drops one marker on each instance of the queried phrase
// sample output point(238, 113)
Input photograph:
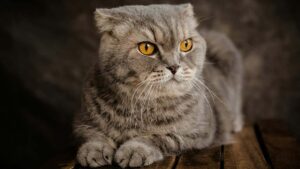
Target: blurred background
point(46, 48)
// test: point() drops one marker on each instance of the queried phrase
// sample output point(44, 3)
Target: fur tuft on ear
point(187, 9)
point(104, 19)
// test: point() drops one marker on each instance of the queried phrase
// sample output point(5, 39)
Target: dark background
point(46, 48)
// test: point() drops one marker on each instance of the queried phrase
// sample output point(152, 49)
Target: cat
point(160, 86)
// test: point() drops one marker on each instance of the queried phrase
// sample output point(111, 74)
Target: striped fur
point(134, 110)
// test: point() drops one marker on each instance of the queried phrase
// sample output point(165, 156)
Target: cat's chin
point(174, 80)
point(175, 87)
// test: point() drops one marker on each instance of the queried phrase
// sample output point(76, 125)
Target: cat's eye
point(147, 48)
point(186, 45)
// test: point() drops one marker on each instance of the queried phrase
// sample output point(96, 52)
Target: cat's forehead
point(166, 24)
point(154, 12)
point(166, 32)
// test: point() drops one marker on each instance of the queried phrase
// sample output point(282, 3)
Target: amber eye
point(186, 45)
point(147, 48)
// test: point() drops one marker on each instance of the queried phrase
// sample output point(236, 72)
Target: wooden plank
point(200, 159)
point(62, 161)
point(167, 163)
point(245, 153)
point(282, 148)
point(66, 161)
point(279, 150)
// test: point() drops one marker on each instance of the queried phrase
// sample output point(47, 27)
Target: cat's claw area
point(134, 154)
point(95, 154)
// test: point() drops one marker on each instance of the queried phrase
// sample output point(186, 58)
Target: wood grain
point(66, 161)
point(62, 161)
point(200, 159)
point(167, 163)
point(245, 153)
point(282, 148)
point(263, 146)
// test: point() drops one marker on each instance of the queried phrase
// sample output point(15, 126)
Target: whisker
point(137, 88)
point(210, 107)
point(132, 104)
point(147, 96)
point(204, 95)
point(142, 107)
point(210, 91)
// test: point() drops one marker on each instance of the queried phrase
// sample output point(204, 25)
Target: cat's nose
point(173, 68)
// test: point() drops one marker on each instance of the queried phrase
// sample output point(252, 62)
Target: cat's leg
point(96, 150)
point(143, 151)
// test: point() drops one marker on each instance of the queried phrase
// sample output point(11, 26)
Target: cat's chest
point(134, 128)
point(122, 136)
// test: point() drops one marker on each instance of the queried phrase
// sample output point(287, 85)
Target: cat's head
point(154, 45)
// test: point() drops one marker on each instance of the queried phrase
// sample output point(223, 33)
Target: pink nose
point(173, 68)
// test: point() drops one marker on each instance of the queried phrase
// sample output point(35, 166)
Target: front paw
point(95, 154)
point(137, 154)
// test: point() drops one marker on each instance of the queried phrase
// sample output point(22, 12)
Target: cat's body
point(137, 108)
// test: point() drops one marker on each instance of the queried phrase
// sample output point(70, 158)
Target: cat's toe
point(136, 160)
point(95, 154)
point(122, 157)
point(108, 153)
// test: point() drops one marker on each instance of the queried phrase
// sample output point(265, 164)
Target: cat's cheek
point(179, 77)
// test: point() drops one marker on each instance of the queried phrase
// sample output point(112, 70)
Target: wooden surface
point(245, 153)
point(266, 145)
point(283, 149)
point(206, 159)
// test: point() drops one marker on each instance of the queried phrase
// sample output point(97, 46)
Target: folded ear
point(105, 19)
point(186, 9)
point(187, 14)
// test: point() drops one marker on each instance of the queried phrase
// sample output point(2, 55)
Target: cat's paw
point(137, 154)
point(95, 154)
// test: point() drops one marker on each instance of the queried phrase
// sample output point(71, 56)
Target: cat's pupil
point(146, 47)
point(186, 44)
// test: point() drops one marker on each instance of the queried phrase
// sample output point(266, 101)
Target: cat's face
point(156, 45)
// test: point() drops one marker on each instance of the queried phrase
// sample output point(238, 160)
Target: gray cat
point(155, 90)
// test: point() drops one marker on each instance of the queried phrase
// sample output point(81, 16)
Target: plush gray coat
point(135, 110)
